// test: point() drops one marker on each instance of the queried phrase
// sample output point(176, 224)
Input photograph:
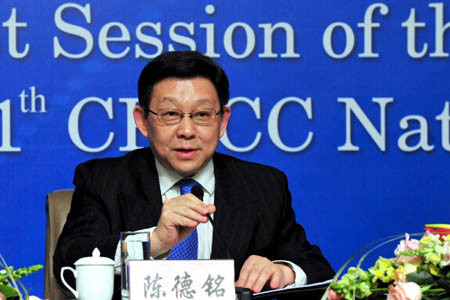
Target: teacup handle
point(75, 293)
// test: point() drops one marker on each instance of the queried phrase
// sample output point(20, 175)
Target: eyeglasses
point(203, 116)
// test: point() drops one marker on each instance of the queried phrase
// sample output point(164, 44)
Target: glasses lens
point(203, 116)
point(170, 116)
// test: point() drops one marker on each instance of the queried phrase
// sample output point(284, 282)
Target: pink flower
point(408, 245)
point(404, 291)
point(333, 296)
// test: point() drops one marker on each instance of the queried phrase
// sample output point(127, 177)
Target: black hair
point(182, 64)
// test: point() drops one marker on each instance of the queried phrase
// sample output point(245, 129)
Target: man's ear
point(140, 120)
point(224, 119)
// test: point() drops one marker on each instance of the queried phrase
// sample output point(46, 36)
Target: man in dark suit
point(182, 113)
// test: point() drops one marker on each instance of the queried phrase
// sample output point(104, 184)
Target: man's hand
point(258, 271)
point(179, 217)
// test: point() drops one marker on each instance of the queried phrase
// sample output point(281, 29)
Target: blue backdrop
point(349, 98)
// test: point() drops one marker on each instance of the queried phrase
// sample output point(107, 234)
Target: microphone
point(197, 191)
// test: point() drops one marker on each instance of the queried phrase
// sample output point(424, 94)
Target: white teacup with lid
point(94, 277)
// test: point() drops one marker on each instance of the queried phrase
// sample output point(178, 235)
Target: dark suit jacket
point(253, 212)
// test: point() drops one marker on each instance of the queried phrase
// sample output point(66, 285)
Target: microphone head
point(197, 191)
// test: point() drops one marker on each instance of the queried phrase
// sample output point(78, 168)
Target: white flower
point(445, 261)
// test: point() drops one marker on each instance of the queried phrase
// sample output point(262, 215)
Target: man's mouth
point(185, 153)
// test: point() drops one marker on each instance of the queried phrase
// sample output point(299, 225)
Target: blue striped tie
point(187, 248)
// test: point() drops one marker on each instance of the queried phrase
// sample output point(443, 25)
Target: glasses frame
point(183, 114)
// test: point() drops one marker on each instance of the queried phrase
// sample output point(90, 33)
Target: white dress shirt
point(168, 180)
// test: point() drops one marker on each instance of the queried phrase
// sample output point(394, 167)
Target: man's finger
point(259, 271)
point(182, 213)
point(276, 280)
point(263, 276)
point(252, 278)
point(188, 217)
point(243, 275)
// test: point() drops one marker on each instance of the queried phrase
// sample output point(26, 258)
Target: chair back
point(57, 208)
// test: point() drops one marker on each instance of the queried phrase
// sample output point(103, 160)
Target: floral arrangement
point(10, 285)
point(419, 270)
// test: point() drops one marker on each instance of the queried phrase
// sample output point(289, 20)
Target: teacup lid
point(95, 259)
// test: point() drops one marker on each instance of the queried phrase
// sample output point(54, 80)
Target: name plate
point(181, 279)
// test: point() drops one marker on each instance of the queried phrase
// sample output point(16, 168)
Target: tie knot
point(186, 185)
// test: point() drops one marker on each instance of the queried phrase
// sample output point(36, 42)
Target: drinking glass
point(134, 245)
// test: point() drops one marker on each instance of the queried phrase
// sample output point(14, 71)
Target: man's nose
point(186, 128)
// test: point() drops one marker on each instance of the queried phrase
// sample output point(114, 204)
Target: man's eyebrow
point(166, 98)
point(203, 100)
point(172, 99)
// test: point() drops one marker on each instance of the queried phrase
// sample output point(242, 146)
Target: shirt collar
point(168, 178)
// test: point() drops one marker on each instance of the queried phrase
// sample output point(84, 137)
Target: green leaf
point(8, 291)
point(443, 284)
point(421, 278)
point(378, 295)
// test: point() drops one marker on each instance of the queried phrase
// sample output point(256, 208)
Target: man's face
point(185, 147)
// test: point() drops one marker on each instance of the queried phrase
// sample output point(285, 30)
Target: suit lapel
point(234, 216)
point(141, 193)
